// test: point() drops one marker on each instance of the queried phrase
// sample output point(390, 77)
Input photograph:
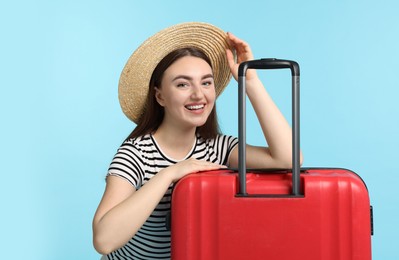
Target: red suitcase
point(312, 213)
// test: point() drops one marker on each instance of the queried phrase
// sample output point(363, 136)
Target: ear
point(159, 97)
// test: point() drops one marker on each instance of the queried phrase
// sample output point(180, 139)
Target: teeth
point(195, 107)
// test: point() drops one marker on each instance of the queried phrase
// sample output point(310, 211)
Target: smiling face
point(187, 92)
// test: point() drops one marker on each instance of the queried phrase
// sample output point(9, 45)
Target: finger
point(230, 38)
point(244, 52)
point(233, 39)
point(230, 59)
point(230, 56)
point(236, 42)
point(211, 167)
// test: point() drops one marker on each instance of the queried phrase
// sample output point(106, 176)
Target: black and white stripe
point(137, 161)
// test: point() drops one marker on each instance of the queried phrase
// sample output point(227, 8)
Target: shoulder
point(133, 149)
point(137, 143)
point(217, 149)
point(129, 161)
point(219, 142)
point(220, 139)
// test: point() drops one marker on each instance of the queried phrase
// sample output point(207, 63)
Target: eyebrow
point(190, 78)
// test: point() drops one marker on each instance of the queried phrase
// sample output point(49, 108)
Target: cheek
point(211, 96)
point(169, 99)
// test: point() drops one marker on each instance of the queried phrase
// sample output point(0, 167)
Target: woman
point(177, 134)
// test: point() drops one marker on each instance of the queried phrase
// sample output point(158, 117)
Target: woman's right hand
point(183, 168)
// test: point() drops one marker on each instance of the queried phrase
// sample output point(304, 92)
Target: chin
point(198, 123)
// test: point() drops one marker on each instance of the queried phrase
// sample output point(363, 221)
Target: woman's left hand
point(243, 52)
point(276, 130)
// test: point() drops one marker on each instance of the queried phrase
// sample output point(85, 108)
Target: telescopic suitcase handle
point(268, 64)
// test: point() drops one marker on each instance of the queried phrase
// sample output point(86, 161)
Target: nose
point(197, 92)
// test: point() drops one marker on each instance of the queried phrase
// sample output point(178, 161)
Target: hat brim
point(136, 75)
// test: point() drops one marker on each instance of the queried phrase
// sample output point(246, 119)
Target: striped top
point(139, 159)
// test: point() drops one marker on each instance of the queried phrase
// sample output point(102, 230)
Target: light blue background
point(61, 120)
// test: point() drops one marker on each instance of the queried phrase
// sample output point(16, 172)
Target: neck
point(175, 142)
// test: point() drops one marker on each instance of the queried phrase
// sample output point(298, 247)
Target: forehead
point(189, 65)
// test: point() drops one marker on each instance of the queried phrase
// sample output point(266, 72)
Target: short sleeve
point(231, 143)
point(127, 164)
point(220, 148)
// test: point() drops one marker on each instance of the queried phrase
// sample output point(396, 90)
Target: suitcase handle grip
point(271, 63)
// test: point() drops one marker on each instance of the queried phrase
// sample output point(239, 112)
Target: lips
point(195, 107)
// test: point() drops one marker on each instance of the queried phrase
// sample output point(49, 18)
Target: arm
point(276, 129)
point(123, 210)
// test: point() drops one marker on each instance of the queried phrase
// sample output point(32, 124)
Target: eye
point(207, 83)
point(182, 84)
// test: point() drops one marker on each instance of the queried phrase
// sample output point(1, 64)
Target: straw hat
point(136, 75)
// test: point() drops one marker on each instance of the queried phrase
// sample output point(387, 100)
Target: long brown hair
point(153, 113)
